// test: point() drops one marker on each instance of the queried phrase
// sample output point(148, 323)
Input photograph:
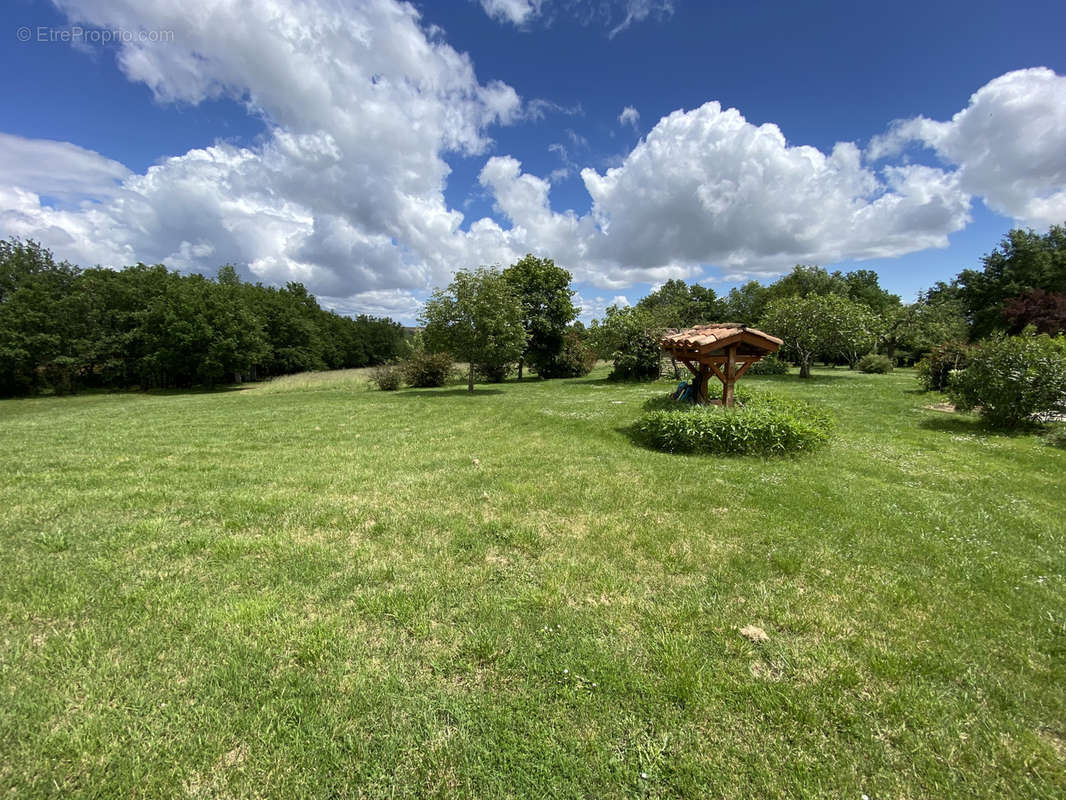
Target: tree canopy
point(544, 294)
point(477, 318)
point(64, 327)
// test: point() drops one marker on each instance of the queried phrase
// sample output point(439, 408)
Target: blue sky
point(369, 149)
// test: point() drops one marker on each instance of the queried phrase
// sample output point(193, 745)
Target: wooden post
point(702, 398)
point(730, 378)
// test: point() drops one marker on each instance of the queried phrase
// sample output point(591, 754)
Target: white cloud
point(517, 12)
point(58, 169)
point(345, 191)
point(616, 15)
point(1009, 145)
point(708, 187)
point(640, 10)
point(629, 116)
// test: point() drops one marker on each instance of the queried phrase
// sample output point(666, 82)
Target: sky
point(370, 148)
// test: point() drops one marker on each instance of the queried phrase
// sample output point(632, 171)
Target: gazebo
point(724, 349)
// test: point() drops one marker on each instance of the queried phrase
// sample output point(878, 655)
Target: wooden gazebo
point(724, 349)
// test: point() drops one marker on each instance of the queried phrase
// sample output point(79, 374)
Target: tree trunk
point(520, 365)
point(805, 367)
point(470, 379)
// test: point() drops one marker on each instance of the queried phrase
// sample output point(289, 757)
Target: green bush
point(935, 369)
point(575, 360)
point(1056, 436)
point(424, 370)
point(765, 426)
point(875, 364)
point(771, 365)
point(493, 373)
point(637, 359)
point(1012, 380)
point(387, 377)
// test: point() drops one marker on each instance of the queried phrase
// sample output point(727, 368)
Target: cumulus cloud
point(629, 116)
point(362, 107)
point(1009, 144)
point(708, 187)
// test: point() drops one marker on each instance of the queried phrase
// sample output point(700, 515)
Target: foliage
point(875, 363)
point(65, 328)
point(1056, 436)
point(493, 373)
point(1012, 379)
point(772, 364)
point(857, 329)
point(1023, 261)
point(747, 304)
point(478, 319)
point(676, 304)
point(631, 337)
point(916, 329)
point(387, 377)
point(425, 370)
point(1045, 311)
point(574, 361)
point(543, 290)
point(765, 425)
point(820, 324)
point(935, 369)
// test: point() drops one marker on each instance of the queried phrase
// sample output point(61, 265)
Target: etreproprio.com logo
point(76, 34)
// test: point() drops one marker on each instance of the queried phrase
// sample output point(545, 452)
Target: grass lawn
point(311, 589)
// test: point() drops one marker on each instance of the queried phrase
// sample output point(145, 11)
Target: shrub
point(875, 363)
point(576, 359)
point(935, 369)
point(771, 365)
point(1011, 380)
point(493, 373)
point(764, 426)
point(424, 370)
point(387, 377)
point(637, 359)
point(1056, 437)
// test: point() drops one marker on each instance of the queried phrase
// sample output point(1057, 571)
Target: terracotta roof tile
point(719, 332)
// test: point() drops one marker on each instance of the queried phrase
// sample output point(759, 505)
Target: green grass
point(311, 589)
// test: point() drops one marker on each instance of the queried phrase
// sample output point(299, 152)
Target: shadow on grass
point(431, 393)
point(973, 425)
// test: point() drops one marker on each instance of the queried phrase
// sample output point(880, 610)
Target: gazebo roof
point(704, 339)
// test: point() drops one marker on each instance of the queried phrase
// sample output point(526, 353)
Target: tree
point(543, 290)
point(808, 325)
point(1024, 260)
point(1046, 311)
point(676, 304)
point(935, 319)
point(631, 336)
point(857, 328)
point(747, 304)
point(478, 319)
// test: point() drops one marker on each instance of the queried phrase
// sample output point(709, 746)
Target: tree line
point(63, 328)
point(840, 317)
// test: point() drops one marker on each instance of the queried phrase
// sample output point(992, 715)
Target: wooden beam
point(716, 371)
point(743, 369)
